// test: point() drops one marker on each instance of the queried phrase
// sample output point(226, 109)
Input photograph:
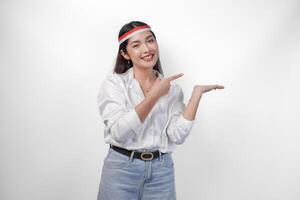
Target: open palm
point(200, 89)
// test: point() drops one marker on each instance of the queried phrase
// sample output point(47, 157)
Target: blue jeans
point(124, 178)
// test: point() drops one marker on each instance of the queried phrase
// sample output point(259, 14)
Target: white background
point(54, 55)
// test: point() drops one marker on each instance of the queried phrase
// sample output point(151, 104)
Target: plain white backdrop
point(245, 142)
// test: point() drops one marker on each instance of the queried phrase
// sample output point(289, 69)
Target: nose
point(146, 48)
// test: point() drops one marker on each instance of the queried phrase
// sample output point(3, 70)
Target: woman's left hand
point(191, 108)
point(200, 89)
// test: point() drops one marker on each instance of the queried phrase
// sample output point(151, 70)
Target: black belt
point(139, 155)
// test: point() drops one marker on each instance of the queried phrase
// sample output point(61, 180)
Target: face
point(142, 50)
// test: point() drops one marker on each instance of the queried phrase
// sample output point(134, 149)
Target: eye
point(151, 40)
point(134, 46)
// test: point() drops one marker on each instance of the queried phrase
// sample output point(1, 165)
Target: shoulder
point(113, 85)
point(113, 79)
point(111, 88)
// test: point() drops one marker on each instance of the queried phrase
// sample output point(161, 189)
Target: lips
point(148, 57)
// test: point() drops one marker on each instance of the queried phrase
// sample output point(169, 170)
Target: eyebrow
point(139, 40)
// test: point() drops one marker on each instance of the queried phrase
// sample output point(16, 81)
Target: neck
point(143, 75)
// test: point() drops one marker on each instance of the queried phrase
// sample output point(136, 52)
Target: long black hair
point(122, 64)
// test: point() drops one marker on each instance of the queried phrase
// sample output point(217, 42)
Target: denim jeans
point(124, 178)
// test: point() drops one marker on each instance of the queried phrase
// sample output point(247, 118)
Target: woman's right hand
point(161, 87)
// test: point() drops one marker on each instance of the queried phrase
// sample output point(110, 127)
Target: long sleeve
point(178, 128)
point(120, 123)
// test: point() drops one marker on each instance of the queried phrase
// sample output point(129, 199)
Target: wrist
point(196, 96)
point(152, 99)
point(194, 101)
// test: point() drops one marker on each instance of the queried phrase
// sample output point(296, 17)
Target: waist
point(139, 155)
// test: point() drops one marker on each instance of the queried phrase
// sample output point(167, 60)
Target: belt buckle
point(147, 154)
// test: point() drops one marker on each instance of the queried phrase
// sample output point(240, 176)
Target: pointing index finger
point(171, 78)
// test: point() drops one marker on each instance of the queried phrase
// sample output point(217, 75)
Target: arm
point(183, 117)
point(192, 106)
point(159, 88)
point(145, 106)
point(191, 109)
point(179, 125)
point(120, 123)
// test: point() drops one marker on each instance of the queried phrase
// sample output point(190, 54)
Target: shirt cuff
point(133, 120)
point(186, 124)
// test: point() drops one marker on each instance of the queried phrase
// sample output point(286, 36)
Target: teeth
point(148, 57)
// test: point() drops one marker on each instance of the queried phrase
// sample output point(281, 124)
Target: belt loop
point(159, 156)
point(131, 156)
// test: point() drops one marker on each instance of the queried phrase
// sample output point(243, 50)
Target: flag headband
point(133, 32)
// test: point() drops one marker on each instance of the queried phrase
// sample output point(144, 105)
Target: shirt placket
point(140, 95)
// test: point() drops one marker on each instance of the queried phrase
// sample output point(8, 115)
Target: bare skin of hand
point(159, 88)
point(190, 111)
point(198, 90)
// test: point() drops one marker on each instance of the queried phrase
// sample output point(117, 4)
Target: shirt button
point(130, 86)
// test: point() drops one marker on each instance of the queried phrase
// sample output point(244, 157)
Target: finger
point(219, 87)
point(171, 78)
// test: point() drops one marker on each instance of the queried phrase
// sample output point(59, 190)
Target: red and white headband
point(133, 32)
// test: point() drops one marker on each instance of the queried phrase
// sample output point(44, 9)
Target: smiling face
point(142, 50)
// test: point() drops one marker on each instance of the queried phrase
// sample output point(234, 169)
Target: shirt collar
point(131, 74)
point(131, 80)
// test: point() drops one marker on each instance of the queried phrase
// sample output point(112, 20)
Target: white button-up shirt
point(163, 128)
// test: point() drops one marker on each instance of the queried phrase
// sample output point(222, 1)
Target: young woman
point(145, 118)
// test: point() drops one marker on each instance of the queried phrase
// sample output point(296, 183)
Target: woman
point(145, 118)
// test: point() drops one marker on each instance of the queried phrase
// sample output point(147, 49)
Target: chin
point(147, 65)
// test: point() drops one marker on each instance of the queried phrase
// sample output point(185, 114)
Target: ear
point(125, 55)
